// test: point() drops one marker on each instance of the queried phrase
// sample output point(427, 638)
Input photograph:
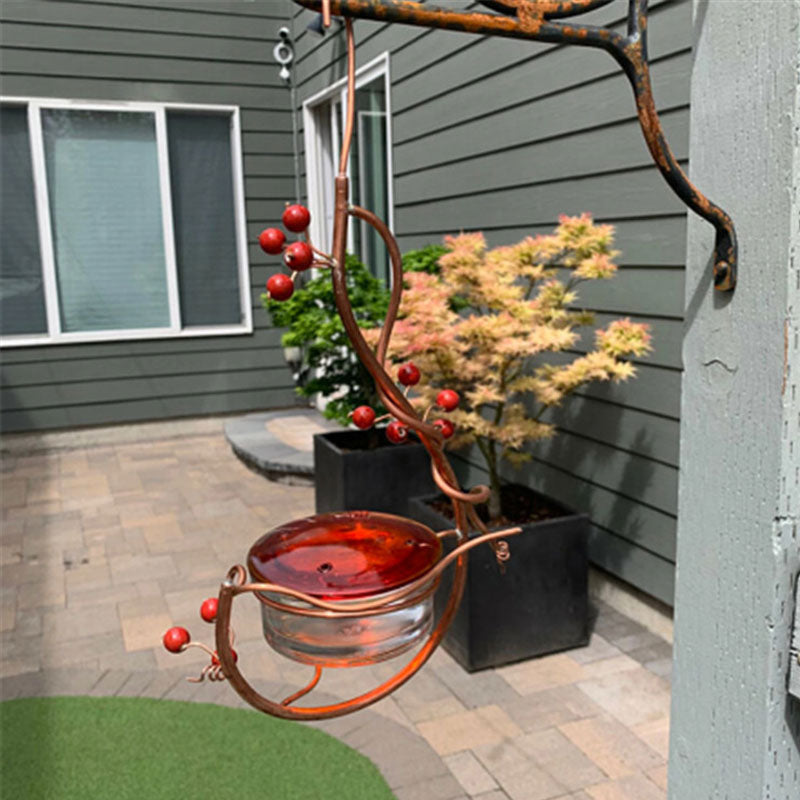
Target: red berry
point(175, 639)
point(272, 240)
point(408, 374)
point(298, 256)
point(280, 287)
point(215, 657)
point(363, 417)
point(446, 427)
point(296, 218)
point(396, 432)
point(447, 399)
point(208, 611)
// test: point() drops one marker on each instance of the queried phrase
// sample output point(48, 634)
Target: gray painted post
point(735, 729)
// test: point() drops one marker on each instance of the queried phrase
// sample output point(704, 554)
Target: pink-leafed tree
point(484, 324)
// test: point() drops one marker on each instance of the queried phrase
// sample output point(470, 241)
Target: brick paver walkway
point(109, 537)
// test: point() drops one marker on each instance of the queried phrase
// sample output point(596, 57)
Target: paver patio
point(110, 536)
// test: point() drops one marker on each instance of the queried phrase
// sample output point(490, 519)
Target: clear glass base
point(345, 557)
point(348, 642)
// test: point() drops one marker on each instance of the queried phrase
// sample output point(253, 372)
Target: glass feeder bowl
point(348, 556)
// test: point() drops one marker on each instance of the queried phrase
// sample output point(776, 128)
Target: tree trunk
point(494, 505)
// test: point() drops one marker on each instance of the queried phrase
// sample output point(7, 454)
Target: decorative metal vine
point(299, 256)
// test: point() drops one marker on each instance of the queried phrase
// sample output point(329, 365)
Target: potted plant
point(353, 468)
point(482, 326)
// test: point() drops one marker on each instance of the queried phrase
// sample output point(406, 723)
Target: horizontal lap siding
point(503, 136)
point(200, 52)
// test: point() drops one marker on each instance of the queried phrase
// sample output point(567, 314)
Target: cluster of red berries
point(397, 433)
point(297, 255)
point(177, 639)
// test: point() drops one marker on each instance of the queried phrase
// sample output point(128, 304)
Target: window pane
point(22, 308)
point(326, 159)
point(203, 212)
point(105, 207)
point(369, 171)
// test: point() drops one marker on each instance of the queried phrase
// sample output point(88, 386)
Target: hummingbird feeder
point(351, 588)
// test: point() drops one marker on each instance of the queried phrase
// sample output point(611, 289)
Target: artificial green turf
point(60, 748)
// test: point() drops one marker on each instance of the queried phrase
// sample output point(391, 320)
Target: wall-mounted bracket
point(534, 20)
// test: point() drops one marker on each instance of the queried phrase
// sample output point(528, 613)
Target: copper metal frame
point(397, 404)
point(534, 19)
point(412, 593)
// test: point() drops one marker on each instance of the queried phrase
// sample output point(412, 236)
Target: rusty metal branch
point(532, 19)
point(547, 8)
point(243, 688)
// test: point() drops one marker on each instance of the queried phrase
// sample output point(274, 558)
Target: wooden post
point(735, 728)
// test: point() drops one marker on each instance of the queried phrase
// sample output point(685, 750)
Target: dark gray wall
point(503, 136)
point(197, 52)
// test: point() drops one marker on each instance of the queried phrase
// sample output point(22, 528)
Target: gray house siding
point(502, 136)
point(193, 52)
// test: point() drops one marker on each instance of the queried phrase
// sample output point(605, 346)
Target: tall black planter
point(540, 604)
point(348, 476)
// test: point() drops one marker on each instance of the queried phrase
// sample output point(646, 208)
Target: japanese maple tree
point(483, 325)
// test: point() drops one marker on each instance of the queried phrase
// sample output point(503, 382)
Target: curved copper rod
point(396, 260)
point(347, 137)
point(532, 20)
point(305, 690)
point(383, 604)
point(397, 402)
point(228, 665)
point(478, 494)
point(394, 400)
point(340, 612)
point(410, 418)
point(258, 701)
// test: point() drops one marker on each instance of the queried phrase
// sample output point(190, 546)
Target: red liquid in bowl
point(344, 555)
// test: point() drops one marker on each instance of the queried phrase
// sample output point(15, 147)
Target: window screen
point(105, 208)
point(201, 179)
point(22, 308)
point(369, 172)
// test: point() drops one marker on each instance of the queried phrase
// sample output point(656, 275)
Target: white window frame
point(316, 174)
point(54, 334)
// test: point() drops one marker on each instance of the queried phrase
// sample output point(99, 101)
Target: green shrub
point(426, 259)
point(313, 325)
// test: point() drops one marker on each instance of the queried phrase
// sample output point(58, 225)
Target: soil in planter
point(520, 505)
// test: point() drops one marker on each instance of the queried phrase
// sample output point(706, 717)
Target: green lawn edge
point(62, 748)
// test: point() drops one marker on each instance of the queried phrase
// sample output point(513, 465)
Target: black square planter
point(350, 477)
point(540, 605)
